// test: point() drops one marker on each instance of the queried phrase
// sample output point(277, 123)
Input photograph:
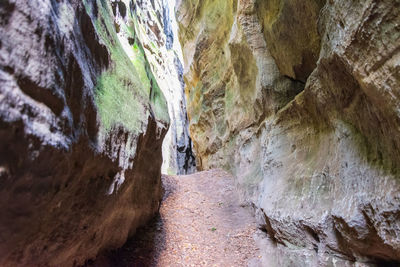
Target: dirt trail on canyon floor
point(201, 223)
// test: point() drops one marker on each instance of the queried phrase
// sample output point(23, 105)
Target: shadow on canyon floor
point(140, 251)
point(144, 248)
point(201, 223)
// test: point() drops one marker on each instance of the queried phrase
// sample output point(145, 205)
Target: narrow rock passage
point(201, 223)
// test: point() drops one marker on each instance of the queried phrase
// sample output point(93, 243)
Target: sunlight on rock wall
point(155, 25)
point(300, 100)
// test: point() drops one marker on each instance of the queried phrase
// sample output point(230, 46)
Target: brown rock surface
point(80, 135)
point(320, 159)
point(291, 30)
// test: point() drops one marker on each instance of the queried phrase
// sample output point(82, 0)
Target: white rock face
point(157, 28)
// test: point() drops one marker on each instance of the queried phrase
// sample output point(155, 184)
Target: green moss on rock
point(125, 90)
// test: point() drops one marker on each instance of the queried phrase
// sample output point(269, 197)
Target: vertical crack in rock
point(156, 27)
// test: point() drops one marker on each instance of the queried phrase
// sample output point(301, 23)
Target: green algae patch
point(120, 98)
point(158, 102)
point(125, 92)
point(141, 64)
point(117, 104)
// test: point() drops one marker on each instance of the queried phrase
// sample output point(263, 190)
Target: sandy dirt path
point(201, 223)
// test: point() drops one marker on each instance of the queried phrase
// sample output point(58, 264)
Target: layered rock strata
point(299, 99)
point(81, 129)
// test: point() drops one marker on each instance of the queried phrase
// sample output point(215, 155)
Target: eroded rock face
point(156, 27)
point(81, 131)
point(299, 99)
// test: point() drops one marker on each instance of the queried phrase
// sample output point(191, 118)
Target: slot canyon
point(199, 133)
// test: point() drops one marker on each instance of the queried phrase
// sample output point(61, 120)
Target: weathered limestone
point(299, 99)
point(81, 128)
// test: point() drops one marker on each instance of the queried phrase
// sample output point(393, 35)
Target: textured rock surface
point(156, 29)
point(299, 99)
point(81, 129)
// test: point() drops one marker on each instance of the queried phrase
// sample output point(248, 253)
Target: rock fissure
point(289, 110)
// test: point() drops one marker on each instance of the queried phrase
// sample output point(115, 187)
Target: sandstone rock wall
point(299, 99)
point(155, 26)
point(81, 129)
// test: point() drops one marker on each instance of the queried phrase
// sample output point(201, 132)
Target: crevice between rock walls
point(155, 26)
